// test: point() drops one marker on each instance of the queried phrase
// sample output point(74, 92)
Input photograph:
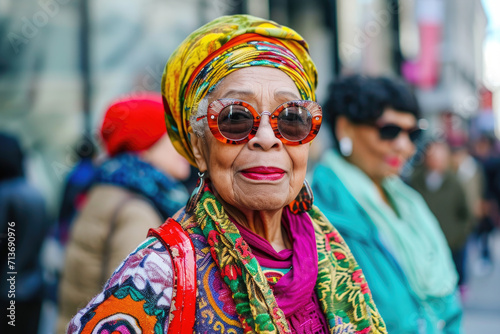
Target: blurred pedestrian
point(386, 224)
point(471, 176)
point(445, 196)
point(484, 151)
point(23, 226)
point(135, 189)
point(76, 187)
point(73, 198)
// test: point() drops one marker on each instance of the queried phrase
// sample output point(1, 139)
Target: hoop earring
point(345, 146)
point(304, 200)
point(196, 194)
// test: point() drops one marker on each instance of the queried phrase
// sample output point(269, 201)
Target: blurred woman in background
point(386, 224)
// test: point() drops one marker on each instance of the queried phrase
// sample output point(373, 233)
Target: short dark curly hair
point(363, 99)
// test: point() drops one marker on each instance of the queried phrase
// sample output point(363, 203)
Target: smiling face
point(263, 173)
point(376, 157)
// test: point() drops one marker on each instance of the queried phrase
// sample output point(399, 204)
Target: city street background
point(482, 304)
point(63, 61)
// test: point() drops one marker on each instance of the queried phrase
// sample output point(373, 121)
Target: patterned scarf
point(128, 171)
point(341, 288)
point(217, 49)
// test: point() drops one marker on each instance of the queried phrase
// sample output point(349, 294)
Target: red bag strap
point(181, 248)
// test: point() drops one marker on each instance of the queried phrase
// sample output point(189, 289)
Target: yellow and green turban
point(220, 47)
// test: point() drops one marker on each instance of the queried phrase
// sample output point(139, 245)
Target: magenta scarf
point(293, 291)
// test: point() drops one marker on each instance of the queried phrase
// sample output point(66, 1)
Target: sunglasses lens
point(235, 122)
point(294, 122)
point(389, 132)
point(415, 135)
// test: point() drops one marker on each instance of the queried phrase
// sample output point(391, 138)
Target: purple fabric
point(308, 320)
point(294, 290)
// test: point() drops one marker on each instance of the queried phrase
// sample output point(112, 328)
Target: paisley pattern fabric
point(136, 299)
point(220, 47)
point(257, 308)
point(234, 295)
point(216, 309)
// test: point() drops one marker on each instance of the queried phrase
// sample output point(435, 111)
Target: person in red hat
point(135, 189)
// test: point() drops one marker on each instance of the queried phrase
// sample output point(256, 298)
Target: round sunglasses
point(392, 131)
point(236, 122)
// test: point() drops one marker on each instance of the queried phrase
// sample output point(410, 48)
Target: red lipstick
point(393, 162)
point(262, 173)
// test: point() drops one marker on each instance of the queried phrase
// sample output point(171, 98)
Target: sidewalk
point(482, 304)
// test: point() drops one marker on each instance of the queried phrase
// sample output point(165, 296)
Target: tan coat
point(81, 279)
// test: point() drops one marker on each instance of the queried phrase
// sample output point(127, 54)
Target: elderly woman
point(244, 255)
point(386, 224)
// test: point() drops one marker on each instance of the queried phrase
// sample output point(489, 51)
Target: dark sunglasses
point(236, 122)
point(392, 131)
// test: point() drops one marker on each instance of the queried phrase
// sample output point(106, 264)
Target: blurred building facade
point(449, 62)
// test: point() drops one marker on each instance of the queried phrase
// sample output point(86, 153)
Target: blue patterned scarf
point(128, 171)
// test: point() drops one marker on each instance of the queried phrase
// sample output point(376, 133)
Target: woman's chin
point(391, 175)
point(261, 202)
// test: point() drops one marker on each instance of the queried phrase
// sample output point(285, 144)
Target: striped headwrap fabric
point(217, 49)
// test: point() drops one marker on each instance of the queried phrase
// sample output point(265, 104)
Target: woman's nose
point(264, 137)
point(403, 142)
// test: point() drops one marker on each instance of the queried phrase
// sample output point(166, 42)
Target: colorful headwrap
point(220, 47)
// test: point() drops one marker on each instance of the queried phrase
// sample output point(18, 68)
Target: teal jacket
point(402, 311)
